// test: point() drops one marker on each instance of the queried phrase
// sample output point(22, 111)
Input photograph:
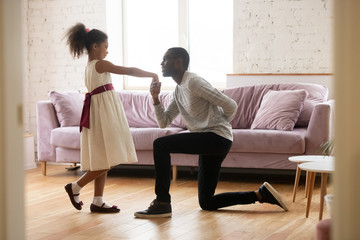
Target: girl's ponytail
point(76, 39)
point(80, 38)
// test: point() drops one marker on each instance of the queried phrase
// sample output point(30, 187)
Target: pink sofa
point(260, 148)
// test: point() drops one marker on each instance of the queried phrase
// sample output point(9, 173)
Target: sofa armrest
point(46, 121)
point(332, 119)
point(318, 131)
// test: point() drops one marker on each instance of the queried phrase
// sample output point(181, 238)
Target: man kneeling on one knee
point(207, 114)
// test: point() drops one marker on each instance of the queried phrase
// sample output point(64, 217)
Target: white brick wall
point(283, 36)
point(50, 65)
point(26, 111)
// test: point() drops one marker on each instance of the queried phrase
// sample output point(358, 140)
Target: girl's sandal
point(77, 205)
point(97, 209)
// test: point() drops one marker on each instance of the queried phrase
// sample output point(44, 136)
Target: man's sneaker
point(270, 195)
point(155, 210)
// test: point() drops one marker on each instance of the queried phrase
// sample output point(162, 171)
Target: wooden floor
point(50, 215)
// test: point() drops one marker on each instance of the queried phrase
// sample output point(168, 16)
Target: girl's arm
point(106, 66)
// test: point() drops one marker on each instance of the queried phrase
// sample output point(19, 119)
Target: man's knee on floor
point(207, 204)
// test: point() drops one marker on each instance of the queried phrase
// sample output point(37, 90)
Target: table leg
point(322, 193)
point(312, 176)
point(296, 183)
point(307, 185)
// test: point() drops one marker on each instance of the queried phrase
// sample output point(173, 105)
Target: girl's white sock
point(76, 189)
point(98, 201)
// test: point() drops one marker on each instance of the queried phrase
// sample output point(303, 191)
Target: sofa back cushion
point(139, 109)
point(249, 100)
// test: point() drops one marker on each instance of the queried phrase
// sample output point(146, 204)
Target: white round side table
point(304, 159)
point(324, 167)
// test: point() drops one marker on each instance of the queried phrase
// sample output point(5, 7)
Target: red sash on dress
point(85, 116)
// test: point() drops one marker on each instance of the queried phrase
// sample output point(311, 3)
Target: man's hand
point(155, 90)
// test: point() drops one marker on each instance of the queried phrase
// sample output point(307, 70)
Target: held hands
point(155, 90)
point(155, 78)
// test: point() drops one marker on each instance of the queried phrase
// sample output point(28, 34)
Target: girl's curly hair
point(80, 38)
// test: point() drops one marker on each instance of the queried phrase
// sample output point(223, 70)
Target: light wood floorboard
point(50, 215)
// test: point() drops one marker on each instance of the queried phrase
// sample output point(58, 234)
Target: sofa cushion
point(279, 110)
point(67, 155)
point(249, 100)
point(139, 109)
point(65, 137)
point(144, 137)
point(248, 103)
point(316, 94)
point(269, 141)
point(69, 137)
point(68, 107)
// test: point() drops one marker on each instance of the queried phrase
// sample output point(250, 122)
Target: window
point(141, 34)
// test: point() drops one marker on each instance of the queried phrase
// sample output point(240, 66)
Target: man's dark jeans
point(212, 150)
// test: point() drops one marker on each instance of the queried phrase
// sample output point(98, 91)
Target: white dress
point(108, 142)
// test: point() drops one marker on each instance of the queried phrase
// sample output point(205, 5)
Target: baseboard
point(30, 166)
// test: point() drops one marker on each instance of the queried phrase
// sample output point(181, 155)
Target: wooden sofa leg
point(43, 168)
point(174, 172)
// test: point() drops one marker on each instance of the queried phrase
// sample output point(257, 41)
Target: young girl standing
point(105, 136)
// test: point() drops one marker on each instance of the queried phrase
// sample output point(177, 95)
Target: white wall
point(283, 36)
point(24, 30)
point(50, 65)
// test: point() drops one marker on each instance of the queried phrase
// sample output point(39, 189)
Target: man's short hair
point(178, 52)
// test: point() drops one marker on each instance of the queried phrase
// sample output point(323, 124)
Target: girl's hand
point(155, 78)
